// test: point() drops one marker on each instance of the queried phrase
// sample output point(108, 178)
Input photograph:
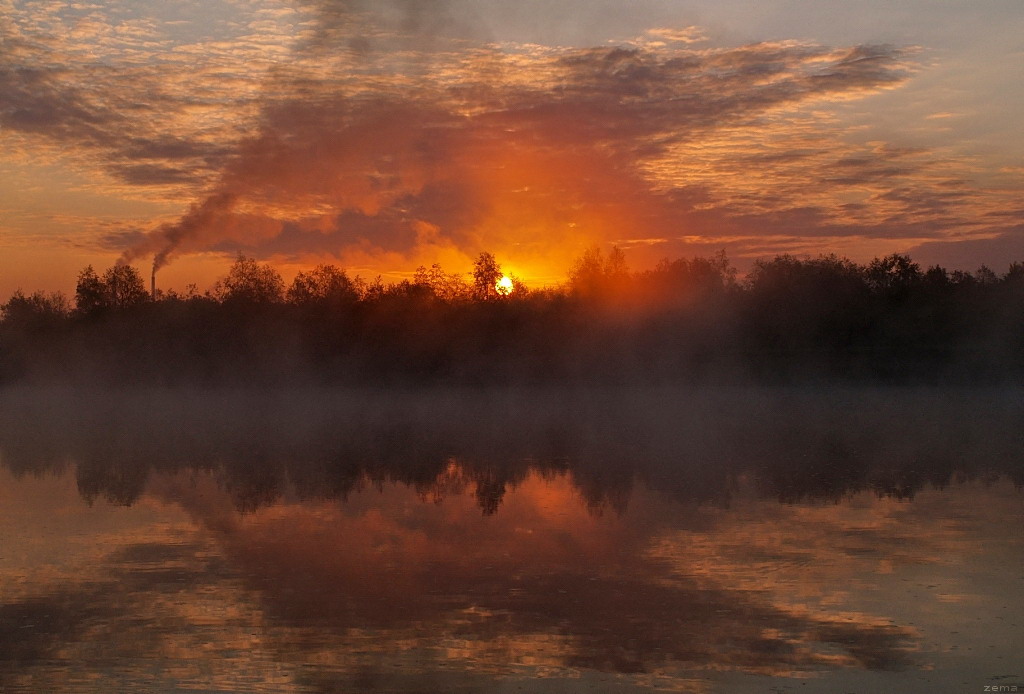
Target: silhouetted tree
point(123, 286)
point(615, 267)
point(936, 276)
point(686, 318)
point(445, 286)
point(519, 288)
point(250, 282)
point(88, 291)
point(804, 314)
point(893, 274)
point(586, 275)
point(593, 275)
point(120, 286)
point(817, 278)
point(325, 285)
point(372, 290)
point(686, 279)
point(1015, 275)
point(26, 315)
point(986, 276)
point(486, 273)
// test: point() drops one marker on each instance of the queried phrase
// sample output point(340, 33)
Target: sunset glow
point(511, 345)
point(505, 286)
point(387, 135)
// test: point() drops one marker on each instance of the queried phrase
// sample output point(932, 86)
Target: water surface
point(608, 541)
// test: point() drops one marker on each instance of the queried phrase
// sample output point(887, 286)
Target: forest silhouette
point(689, 320)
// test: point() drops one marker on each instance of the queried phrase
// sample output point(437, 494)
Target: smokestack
point(152, 283)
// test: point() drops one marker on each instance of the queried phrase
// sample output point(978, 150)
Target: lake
point(602, 540)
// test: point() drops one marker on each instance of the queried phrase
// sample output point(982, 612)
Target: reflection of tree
point(254, 482)
point(692, 447)
point(118, 482)
point(490, 489)
point(408, 560)
point(604, 487)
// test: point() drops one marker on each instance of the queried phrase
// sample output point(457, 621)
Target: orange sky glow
point(380, 136)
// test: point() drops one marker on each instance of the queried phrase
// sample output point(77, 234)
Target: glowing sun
point(504, 285)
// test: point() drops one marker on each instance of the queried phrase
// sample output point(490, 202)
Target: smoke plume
point(398, 131)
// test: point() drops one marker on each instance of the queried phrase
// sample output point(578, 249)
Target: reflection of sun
point(504, 285)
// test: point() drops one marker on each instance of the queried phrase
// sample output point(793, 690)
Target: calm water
point(726, 541)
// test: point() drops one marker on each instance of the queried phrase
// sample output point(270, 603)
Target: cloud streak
point(554, 148)
point(396, 132)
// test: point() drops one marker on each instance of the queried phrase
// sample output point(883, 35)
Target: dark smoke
point(169, 238)
point(357, 29)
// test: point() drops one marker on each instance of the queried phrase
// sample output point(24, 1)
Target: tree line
point(685, 320)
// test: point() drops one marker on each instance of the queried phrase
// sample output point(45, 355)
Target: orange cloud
point(338, 129)
point(542, 163)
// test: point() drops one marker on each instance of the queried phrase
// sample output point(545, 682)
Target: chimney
point(152, 283)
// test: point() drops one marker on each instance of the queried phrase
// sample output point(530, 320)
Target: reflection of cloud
point(538, 584)
point(819, 561)
point(406, 583)
point(94, 597)
point(157, 617)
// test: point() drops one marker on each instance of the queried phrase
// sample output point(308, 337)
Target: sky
point(380, 135)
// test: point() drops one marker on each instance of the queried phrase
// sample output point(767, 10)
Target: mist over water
point(460, 539)
point(664, 477)
point(823, 442)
